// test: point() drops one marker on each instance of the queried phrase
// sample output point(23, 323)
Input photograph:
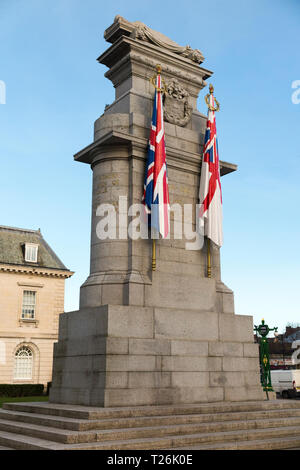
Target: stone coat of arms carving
point(177, 109)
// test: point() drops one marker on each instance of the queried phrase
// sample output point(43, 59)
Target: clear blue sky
point(56, 90)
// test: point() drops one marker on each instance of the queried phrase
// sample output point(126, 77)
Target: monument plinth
point(145, 337)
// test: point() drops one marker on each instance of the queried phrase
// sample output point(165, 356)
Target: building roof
point(291, 334)
point(12, 241)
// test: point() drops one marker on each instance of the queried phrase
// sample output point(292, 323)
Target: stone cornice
point(149, 55)
point(37, 271)
point(92, 153)
point(21, 336)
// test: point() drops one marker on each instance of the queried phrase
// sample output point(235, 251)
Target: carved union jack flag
point(210, 193)
point(156, 191)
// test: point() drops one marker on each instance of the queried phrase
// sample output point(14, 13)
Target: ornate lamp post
point(263, 330)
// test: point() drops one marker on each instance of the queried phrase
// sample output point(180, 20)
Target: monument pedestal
point(143, 337)
point(125, 356)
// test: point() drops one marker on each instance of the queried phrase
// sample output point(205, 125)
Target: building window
point(31, 252)
point(28, 307)
point(23, 364)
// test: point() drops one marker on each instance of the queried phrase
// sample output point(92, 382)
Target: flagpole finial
point(208, 100)
point(153, 80)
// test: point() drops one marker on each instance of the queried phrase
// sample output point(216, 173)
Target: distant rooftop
point(12, 248)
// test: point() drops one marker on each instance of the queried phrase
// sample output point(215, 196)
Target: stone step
point(283, 443)
point(70, 437)
point(46, 433)
point(70, 424)
point(84, 412)
point(108, 423)
point(5, 448)
point(20, 442)
point(73, 424)
point(233, 441)
point(176, 442)
point(218, 425)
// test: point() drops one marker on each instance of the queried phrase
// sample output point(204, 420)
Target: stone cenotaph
point(144, 337)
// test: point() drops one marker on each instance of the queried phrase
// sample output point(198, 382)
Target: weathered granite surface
point(125, 355)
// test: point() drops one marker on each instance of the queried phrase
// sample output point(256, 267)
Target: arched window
point(23, 363)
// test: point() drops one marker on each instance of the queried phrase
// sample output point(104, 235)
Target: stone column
point(121, 270)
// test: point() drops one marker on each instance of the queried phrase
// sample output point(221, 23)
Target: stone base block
point(124, 356)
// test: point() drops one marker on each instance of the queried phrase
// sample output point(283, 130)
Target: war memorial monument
point(144, 336)
point(155, 357)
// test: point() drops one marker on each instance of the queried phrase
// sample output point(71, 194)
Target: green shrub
point(21, 390)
